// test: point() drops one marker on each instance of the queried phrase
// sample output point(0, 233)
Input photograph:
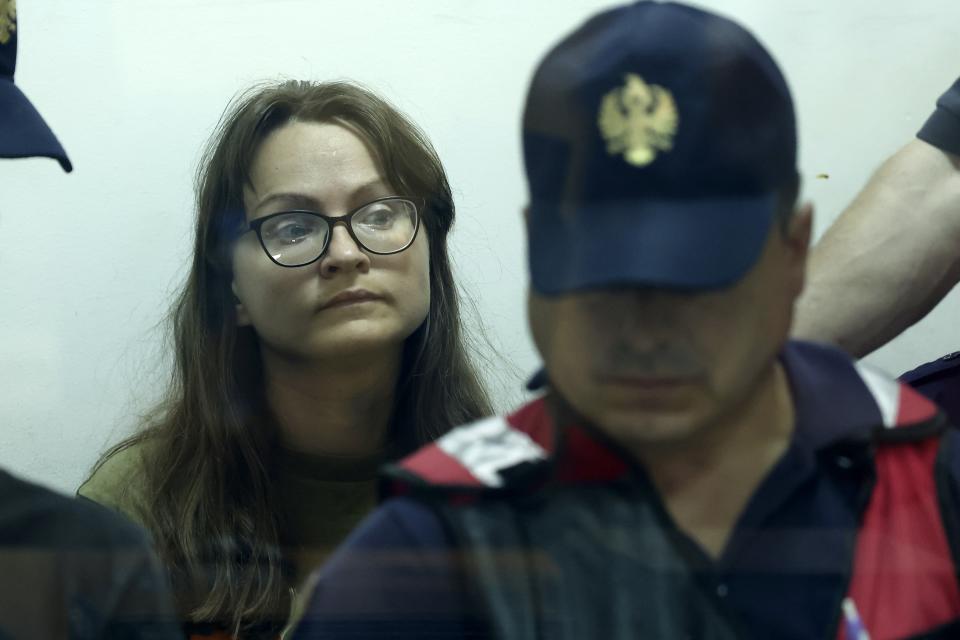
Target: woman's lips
point(349, 297)
point(648, 383)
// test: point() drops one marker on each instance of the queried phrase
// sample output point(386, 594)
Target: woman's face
point(349, 301)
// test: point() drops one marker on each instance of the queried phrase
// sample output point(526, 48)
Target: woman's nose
point(343, 254)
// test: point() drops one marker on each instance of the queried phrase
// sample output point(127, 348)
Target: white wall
point(88, 262)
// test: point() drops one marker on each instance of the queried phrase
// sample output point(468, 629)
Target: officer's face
point(655, 367)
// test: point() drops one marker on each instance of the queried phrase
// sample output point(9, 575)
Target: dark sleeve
point(942, 128)
point(73, 569)
point(121, 587)
point(939, 381)
point(396, 576)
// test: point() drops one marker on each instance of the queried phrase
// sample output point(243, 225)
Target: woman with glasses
point(317, 336)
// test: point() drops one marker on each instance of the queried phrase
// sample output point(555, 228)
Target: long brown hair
point(207, 478)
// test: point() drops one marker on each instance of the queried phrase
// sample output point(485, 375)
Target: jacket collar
point(836, 400)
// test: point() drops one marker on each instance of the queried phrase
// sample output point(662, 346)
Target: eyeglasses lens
point(294, 238)
point(298, 237)
point(386, 226)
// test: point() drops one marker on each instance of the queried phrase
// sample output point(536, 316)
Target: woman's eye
point(381, 219)
point(292, 232)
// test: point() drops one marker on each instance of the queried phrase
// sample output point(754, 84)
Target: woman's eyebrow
point(371, 190)
point(290, 201)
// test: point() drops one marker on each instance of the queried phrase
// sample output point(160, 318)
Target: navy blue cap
point(657, 138)
point(23, 133)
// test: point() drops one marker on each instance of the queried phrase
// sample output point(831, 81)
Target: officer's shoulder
point(945, 367)
point(490, 455)
point(38, 517)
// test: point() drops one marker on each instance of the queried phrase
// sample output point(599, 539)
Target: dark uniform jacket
point(73, 570)
point(940, 381)
point(518, 527)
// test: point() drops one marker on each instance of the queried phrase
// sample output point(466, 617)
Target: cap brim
point(678, 244)
point(23, 133)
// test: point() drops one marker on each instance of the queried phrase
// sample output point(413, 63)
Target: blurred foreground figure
point(688, 472)
point(892, 255)
point(68, 568)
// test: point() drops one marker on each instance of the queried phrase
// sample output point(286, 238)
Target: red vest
point(904, 578)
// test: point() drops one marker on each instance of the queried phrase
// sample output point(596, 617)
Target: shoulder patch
point(473, 456)
point(488, 447)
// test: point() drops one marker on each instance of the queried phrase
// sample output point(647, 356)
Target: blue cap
point(23, 133)
point(657, 138)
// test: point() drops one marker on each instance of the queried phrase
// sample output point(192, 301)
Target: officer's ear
point(800, 230)
point(796, 237)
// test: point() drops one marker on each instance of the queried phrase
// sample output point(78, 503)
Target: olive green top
point(320, 498)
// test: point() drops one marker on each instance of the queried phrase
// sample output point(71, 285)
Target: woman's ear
point(243, 318)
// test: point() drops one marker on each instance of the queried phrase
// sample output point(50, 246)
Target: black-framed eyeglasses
point(299, 237)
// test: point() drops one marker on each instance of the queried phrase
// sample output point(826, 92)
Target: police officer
point(68, 568)
point(687, 472)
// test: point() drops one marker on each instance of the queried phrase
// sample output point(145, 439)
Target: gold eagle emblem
point(638, 120)
point(8, 19)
